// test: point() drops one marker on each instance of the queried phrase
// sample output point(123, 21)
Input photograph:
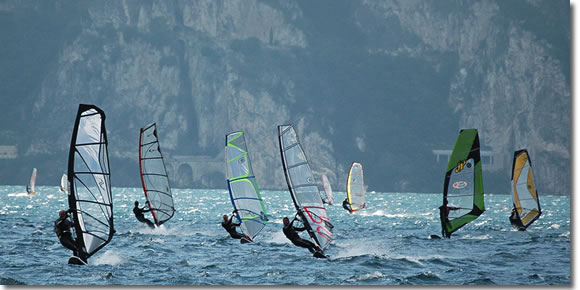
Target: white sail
point(303, 188)
point(63, 183)
point(327, 189)
point(90, 197)
point(355, 187)
point(154, 176)
point(31, 184)
point(243, 187)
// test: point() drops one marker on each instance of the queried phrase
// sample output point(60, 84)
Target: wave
point(10, 281)
point(19, 194)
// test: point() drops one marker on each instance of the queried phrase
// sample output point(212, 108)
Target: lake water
point(385, 244)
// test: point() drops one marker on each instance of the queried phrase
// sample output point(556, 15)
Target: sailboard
point(89, 195)
point(463, 187)
point(154, 177)
point(63, 183)
point(303, 188)
point(31, 184)
point(355, 187)
point(327, 189)
point(243, 188)
point(525, 197)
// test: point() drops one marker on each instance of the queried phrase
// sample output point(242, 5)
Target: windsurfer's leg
point(149, 223)
point(67, 241)
point(305, 244)
point(236, 236)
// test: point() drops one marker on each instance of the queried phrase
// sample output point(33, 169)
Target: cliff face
point(378, 82)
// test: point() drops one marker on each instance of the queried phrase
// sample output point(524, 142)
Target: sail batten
point(243, 188)
point(154, 178)
point(463, 186)
point(88, 175)
point(302, 187)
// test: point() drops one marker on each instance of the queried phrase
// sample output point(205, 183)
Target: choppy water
point(386, 244)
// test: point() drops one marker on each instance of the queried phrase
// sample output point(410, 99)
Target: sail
point(463, 187)
point(154, 175)
point(63, 183)
point(242, 185)
point(89, 194)
point(524, 193)
point(303, 188)
point(327, 189)
point(355, 187)
point(30, 188)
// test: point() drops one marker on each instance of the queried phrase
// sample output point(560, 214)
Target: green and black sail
point(463, 188)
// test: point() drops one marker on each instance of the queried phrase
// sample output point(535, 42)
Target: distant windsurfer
point(346, 205)
point(291, 233)
point(62, 228)
point(139, 214)
point(230, 227)
point(444, 211)
point(515, 220)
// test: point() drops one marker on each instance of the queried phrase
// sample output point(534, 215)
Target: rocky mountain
point(380, 82)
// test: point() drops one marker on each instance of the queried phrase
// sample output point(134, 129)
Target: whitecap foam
point(109, 257)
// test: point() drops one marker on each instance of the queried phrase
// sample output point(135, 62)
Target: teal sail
point(303, 187)
point(244, 192)
point(463, 187)
point(154, 178)
point(89, 195)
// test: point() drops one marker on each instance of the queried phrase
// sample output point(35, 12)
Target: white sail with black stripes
point(154, 177)
point(89, 194)
point(303, 187)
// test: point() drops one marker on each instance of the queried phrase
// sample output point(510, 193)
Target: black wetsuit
point(140, 217)
point(444, 215)
point(346, 205)
point(292, 235)
point(62, 229)
point(231, 228)
point(516, 221)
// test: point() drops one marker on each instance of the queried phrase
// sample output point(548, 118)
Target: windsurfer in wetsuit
point(346, 205)
point(62, 229)
point(139, 214)
point(515, 220)
point(291, 233)
point(230, 227)
point(444, 211)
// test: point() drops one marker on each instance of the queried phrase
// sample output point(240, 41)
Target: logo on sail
point(460, 184)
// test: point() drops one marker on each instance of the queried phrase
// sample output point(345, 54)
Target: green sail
point(463, 188)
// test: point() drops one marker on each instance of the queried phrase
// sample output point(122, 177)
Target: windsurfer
point(139, 214)
point(291, 233)
point(230, 227)
point(444, 211)
point(62, 228)
point(515, 220)
point(346, 205)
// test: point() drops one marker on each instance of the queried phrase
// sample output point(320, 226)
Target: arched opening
point(184, 176)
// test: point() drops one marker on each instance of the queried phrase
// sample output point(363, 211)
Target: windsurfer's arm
point(299, 229)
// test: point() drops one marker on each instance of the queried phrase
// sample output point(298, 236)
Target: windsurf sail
point(327, 189)
point(30, 187)
point(303, 188)
point(154, 176)
point(243, 187)
point(524, 193)
point(355, 187)
point(63, 183)
point(89, 178)
point(463, 188)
